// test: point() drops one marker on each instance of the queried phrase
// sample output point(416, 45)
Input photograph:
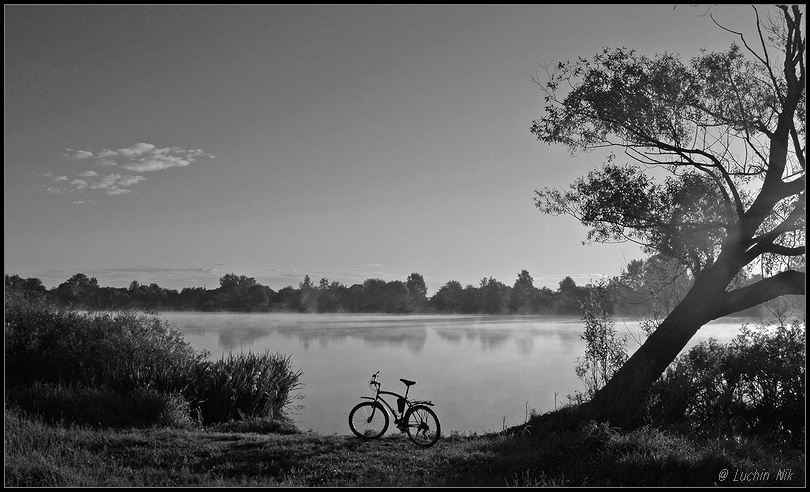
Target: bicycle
point(370, 420)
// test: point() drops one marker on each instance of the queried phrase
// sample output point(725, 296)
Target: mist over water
point(482, 372)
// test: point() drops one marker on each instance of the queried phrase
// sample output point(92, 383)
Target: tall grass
point(242, 386)
point(126, 368)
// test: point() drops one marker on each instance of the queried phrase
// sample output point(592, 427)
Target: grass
point(120, 399)
point(251, 454)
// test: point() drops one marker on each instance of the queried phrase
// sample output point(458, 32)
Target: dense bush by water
point(755, 384)
point(67, 365)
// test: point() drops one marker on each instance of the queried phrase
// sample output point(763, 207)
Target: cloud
point(139, 158)
point(115, 184)
point(79, 184)
point(145, 157)
point(111, 184)
point(156, 163)
point(54, 178)
point(77, 154)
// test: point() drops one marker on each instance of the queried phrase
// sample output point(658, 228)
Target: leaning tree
point(716, 177)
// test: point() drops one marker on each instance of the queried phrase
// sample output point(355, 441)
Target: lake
point(482, 372)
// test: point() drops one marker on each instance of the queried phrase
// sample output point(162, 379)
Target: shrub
point(123, 350)
point(605, 351)
point(756, 383)
point(59, 361)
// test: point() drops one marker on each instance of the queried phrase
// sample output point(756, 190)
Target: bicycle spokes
point(368, 420)
point(423, 426)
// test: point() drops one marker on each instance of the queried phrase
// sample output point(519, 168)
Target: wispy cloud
point(144, 157)
point(77, 154)
point(111, 184)
point(138, 158)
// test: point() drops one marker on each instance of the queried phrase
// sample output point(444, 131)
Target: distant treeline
point(638, 291)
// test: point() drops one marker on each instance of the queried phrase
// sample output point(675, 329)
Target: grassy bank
point(120, 399)
point(42, 454)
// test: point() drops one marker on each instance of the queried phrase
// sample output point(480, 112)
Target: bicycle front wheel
point(368, 420)
point(423, 426)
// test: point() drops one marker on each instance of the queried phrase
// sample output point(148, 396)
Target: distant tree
point(79, 291)
point(232, 282)
point(731, 132)
point(113, 299)
point(31, 286)
point(373, 295)
point(654, 286)
point(308, 301)
point(154, 296)
point(306, 283)
point(396, 297)
point(470, 299)
point(287, 299)
point(542, 300)
point(569, 297)
point(192, 298)
point(417, 291)
point(448, 298)
point(522, 292)
point(494, 296)
point(257, 298)
point(329, 296)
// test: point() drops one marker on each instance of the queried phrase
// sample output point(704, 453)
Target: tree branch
point(785, 283)
point(793, 222)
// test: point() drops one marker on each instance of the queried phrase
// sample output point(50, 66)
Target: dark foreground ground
point(40, 454)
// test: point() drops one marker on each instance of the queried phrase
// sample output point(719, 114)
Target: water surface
point(482, 372)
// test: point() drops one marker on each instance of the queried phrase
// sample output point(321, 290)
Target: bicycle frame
point(407, 405)
point(391, 409)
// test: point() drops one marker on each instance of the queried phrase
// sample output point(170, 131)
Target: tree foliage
point(727, 130)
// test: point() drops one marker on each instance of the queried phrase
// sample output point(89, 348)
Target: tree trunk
point(621, 401)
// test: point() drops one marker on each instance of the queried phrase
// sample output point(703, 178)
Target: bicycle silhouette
point(369, 419)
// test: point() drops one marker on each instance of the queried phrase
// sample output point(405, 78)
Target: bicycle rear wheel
point(423, 426)
point(368, 420)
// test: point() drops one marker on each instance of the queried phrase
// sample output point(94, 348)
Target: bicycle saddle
point(407, 383)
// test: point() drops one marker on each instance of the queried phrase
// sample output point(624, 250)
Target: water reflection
point(520, 361)
point(528, 334)
point(234, 339)
point(411, 335)
point(245, 332)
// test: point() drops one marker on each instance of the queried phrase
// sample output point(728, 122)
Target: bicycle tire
point(423, 426)
point(368, 420)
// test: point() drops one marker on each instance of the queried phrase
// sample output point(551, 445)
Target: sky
point(176, 144)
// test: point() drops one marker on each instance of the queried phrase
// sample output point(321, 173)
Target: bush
point(129, 368)
point(123, 350)
point(754, 384)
